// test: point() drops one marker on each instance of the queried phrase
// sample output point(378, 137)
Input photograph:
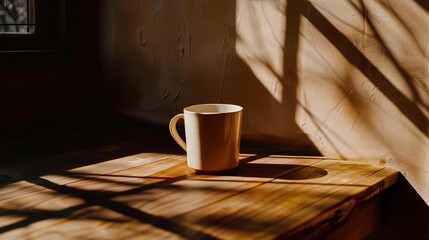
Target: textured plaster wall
point(348, 79)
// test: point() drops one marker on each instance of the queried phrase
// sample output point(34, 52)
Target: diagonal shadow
point(405, 75)
point(46, 150)
point(36, 216)
point(265, 108)
point(423, 3)
point(92, 199)
point(103, 198)
point(357, 59)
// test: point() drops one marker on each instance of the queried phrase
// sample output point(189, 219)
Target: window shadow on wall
point(241, 75)
point(267, 119)
point(408, 107)
point(412, 108)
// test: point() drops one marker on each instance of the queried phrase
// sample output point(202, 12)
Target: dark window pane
point(17, 17)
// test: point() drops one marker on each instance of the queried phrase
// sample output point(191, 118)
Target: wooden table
point(156, 196)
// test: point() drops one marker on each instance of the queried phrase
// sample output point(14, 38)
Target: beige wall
point(348, 79)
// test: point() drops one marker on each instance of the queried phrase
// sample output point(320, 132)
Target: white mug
point(212, 133)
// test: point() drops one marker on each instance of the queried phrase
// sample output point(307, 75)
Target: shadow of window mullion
point(119, 207)
point(357, 59)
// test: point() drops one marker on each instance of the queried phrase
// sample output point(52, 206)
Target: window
point(17, 17)
point(34, 32)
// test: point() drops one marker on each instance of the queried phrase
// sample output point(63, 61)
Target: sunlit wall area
point(347, 79)
point(363, 82)
point(359, 70)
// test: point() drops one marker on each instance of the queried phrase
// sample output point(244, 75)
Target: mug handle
point(173, 130)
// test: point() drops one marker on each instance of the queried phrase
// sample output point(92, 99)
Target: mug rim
point(234, 108)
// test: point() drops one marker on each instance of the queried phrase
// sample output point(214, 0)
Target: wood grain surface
point(156, 196)
point(106, 181)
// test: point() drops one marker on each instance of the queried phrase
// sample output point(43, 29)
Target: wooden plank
point(40, 203)
point(93, 181)
point(170, 200)
point(335, 207)
point(104, 169)
point(274, 208)
point(362, 220)
point(121, 164)
point(159, 197)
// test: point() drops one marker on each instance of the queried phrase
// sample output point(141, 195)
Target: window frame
point(50, 44)
point(30, 18)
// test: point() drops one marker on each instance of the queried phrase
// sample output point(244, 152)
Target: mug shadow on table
point(247, 168)
point(279, 171)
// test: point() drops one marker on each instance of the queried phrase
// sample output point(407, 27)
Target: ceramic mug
point(212, 133)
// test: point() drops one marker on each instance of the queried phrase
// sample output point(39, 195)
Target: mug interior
point(213, 108)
